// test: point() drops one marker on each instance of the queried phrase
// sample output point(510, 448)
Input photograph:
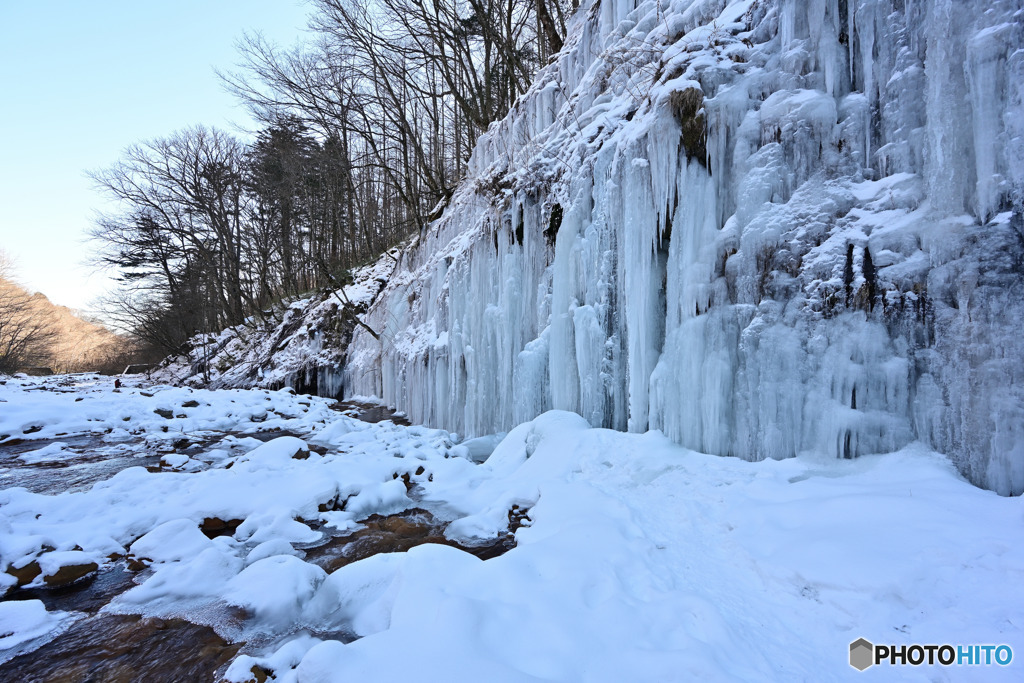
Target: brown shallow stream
point(395, 534)
point(116, 648)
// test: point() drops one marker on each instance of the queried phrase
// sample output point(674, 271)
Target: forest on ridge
point(365, 129)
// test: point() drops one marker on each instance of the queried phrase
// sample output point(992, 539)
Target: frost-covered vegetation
point(301, 344)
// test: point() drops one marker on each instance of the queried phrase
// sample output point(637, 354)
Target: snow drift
point(763, 227)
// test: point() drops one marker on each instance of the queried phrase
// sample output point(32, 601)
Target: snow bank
point(645, 561)
point(35, 410)
point(634, 559)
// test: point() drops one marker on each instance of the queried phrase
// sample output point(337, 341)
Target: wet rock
point(67, 572)
point(137, 564)
point(257, 674)
point(87, 595)
point(190, 404)
point(70, 573)
point(332, 504)
point(215, 526)
point(33, 429)
point(175, 461)
point(518, 517)
point(164, 413)
point(26, 574)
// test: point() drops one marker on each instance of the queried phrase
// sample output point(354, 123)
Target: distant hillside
point(36, 333)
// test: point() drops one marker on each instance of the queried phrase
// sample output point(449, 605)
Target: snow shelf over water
point(764, 227)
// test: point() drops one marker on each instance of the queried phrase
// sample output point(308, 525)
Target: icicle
point(986, 77)
point(641, 278)
point(730, 300)
point(949, 118)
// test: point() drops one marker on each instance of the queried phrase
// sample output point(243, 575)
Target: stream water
point(88, 459)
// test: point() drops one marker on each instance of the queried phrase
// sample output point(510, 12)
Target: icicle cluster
point(765, 227)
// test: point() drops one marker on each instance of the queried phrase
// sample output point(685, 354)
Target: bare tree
point(366, 130)
point(180, 233)
point(406, 86)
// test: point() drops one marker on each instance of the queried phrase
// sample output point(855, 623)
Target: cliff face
point(765, 227)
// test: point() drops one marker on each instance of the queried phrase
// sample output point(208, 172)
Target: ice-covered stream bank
point(635, 558)
point(763, 227)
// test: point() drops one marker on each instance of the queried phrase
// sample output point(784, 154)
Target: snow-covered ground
point(637, 560)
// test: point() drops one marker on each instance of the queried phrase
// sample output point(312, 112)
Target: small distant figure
point(117, 383)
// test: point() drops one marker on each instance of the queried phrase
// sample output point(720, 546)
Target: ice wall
point(766, 228)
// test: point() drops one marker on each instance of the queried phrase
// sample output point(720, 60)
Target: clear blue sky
point(79, 82)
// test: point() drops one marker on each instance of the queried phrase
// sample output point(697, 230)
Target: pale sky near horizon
point(79, 82)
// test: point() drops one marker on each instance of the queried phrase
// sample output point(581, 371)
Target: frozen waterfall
point(764, 227)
